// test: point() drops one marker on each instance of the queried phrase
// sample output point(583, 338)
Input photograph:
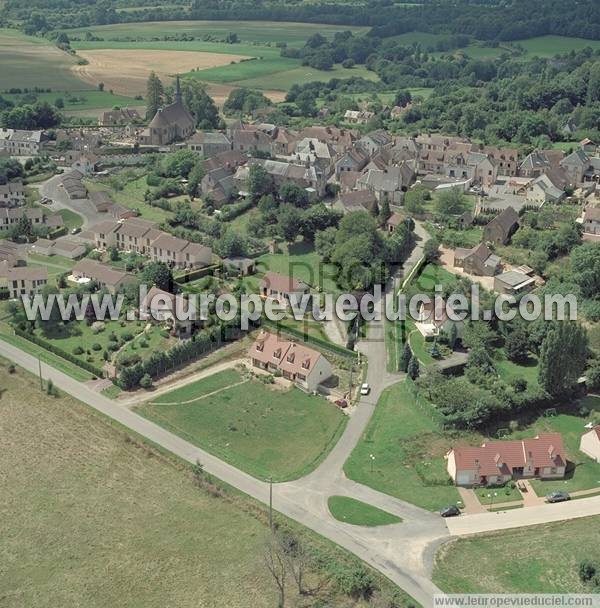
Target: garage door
point(463, 479)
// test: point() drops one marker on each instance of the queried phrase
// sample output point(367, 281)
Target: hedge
point(192, 275)
point(330, 346)
point(96, 371)
point(232, 211)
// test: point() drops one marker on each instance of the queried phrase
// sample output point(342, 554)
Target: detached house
point(209, 144)
point(590, 443)
point(479, 260)
point(497, 462)
point(591, 220)
point(281, 287)
point(433, 319)
point(111, 279)
point(303, 365)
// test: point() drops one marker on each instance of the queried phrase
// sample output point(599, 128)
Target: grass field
point(355, 512)
point(432, 275)
point(79, 100)
point(92, 518)
point(537, 559)
point(548, 46)
point(262, 32)
point(71, 219)
point(29, 62)
point(409, 452)
point(264, 430)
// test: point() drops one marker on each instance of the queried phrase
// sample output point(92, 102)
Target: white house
point(590, 443)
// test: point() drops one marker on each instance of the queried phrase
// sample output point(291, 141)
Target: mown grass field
point(548, 46)
point(91, 518)
point(29, 62)
point(409, 452)
point(537, 559)
point(78, 100)
point(264, 430)
point(357, 513)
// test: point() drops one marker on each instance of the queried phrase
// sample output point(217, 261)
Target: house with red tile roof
point(496, 462)
point(590, 443)
point(303, 365)
point(280, 287)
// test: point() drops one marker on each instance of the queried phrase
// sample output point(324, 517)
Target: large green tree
point(200, 104)
point(154, 95)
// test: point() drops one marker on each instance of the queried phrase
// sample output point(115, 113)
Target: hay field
point(126, 71)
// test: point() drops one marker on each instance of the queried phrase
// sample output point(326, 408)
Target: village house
point(591, 220)
point(73, 185)
point(384, 184)
point(120, 116)
point(282, 288)
point(590, 443)
point(433, 319)
point(240, 265)
point(12, 194)
point(506, 159)
point(179, 253)
point(17, 142)
point(209, 144)
point(576, 165)
point(539, 162)
point(545, 189)
point(135, 234)
point(62, 246)
point(172, 123)
point(354, 159)
point(251, 141)
point(284, 142)
point(303, 365)
point(12, 254)
point(163, 306)
point(499, 230)
point(111, 279)
point(588, 146)
point(513, 283)
point(375, 141)
point(219, 185)
point(357, 200)
point(478, 261)
point(340, 139)
point(232, 159)
point(11, 216)
point(393, 222)
point(358, 117)
point(497, 462)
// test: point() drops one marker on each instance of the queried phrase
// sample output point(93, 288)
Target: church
point(171, 123)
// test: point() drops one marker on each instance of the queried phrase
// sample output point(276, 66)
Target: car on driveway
point(75, 230)
point(342, 403)
point(45, 200)
point(557, 497)
point(450, 511)
point(365, 389)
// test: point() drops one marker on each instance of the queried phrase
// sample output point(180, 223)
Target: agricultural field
point(29, 62)
point(552, 567)
point(265, 430)
point(409, 449)
point(101, 520)
point(548, 46)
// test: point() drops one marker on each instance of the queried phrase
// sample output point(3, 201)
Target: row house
point(106, 277)
point(26, 280)
point(12, 194)
point(11, 216)
point(209, 144)
point(179, 253)
point(17, 142)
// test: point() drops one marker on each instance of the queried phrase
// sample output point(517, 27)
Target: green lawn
point(409, 452)
point(548, 46)
point(71, 219)
point(432, 275)
point(419, 346)
point(202, 387)
point(357, 513)
point(509, 371)
point(29, 62)
point(243, 70)
point(301, 261)
point(536, 559)
point(263, 430)
point(491, 496)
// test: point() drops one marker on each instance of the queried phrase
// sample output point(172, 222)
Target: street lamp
point(372, 461)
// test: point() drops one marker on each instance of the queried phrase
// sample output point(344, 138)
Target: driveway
point(83, 207)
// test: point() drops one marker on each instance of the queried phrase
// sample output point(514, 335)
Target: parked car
point(450, 511)
point(365, 389)
point(341, 403)
point(75, 230)
point(45, 200)
point(557, 497)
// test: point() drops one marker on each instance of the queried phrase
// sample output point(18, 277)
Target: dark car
point(450, 511)
point(341, 403)
point(557, 497)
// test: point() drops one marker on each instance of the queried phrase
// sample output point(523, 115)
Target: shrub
point(587, 570)
point(78, 350)
point(146, 381)
point(143, 343)
point(96, 346)
point(127, 336)
point(11, 369)
point(354, 581)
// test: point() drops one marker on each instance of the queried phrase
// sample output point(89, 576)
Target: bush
point(143, 343)
point(354, 581)
point(11, 369)
point(127, 336)
point(78, 350)
point(587, 570)
point(96, 346)
point(146, 381)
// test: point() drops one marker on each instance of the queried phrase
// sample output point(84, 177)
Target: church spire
point(177, 90)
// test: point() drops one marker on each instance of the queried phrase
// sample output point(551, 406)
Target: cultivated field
point(27, 62)
point(538, 559)
point(262, 429)
point(126, 71)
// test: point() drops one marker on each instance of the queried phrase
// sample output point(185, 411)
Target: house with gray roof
point(502, 227)
point(478, 261)
point(384, 184)
point(209, 144)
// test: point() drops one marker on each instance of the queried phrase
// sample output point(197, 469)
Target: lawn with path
point(262, 429)
point(357, 513)
point(409, 449)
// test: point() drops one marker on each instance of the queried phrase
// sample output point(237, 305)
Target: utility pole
point(271, 503)
point(40, 370)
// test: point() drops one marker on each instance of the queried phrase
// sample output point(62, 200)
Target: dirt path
point(206, 396)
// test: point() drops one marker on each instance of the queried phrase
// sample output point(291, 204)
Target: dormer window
point(260, 347)
point(291, 357)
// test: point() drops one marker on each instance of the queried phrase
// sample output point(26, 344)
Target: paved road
point(83, 207)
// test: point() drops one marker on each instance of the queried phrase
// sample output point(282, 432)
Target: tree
point(585, 267)
point(453, 336)
point(562, 357)
point(587, 570)
point(159, 274)
point(293, 194)
point(179, 164)
point(413, 368)
point(259, 182)
point(113, 254)
point(384, 211)
point(405, 357)
point(146, 381)
point(517, 344)
point(325, 243)
point(195, 176)
point(431, 250)
point(200, 104)
point(232, 244)
point(276, 564)
point(154, 95)
point(593, 378)
point(450, 202)
point(306, 103)
point(289, 221)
